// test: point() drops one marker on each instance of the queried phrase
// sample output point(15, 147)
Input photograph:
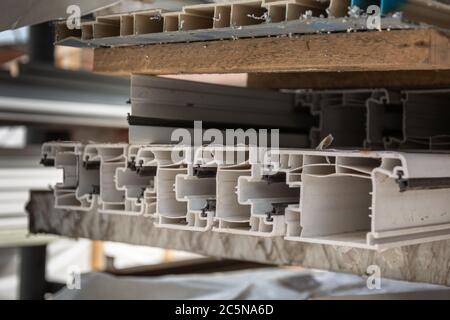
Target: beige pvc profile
point(149, 21)
point(126, 25)
point(204, 17)
point(171, 21)
point(87, 30)
point(107, 26)
point(222, 16)
point(246, 13)
point(288, 10)
point(277, 11)
point(197, 17)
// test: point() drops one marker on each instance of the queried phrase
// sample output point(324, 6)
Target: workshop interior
point(225, 150)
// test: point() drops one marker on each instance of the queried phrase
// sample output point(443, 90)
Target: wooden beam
point(400, 79)
point(97, 256)
point(420, 49)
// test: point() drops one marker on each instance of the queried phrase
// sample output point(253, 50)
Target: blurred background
point(48, 93)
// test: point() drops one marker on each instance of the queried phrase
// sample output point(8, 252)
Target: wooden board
point(421, 49)
point(428, 262)
point(400, 79)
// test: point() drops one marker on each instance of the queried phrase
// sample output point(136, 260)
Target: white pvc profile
point(195, 188)
point(186, 193)
point(169, 210)
point(363, 199)
point(101, 162)
point(134, 185)
point(230, 214)
point(198, 192)
point(68, 157)
point(152, 162)
point(128, 176)
point(252, 201)
point(371, 200)
point(264, 198)
point(116, 178)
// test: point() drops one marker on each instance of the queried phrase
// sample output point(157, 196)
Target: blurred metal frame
point(44, 94)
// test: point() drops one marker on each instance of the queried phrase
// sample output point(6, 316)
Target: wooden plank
point(421, 49)
point(426, 262)
point(97, 256)
point(404, 79)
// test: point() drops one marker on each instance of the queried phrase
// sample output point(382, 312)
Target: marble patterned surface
point(429, 262)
